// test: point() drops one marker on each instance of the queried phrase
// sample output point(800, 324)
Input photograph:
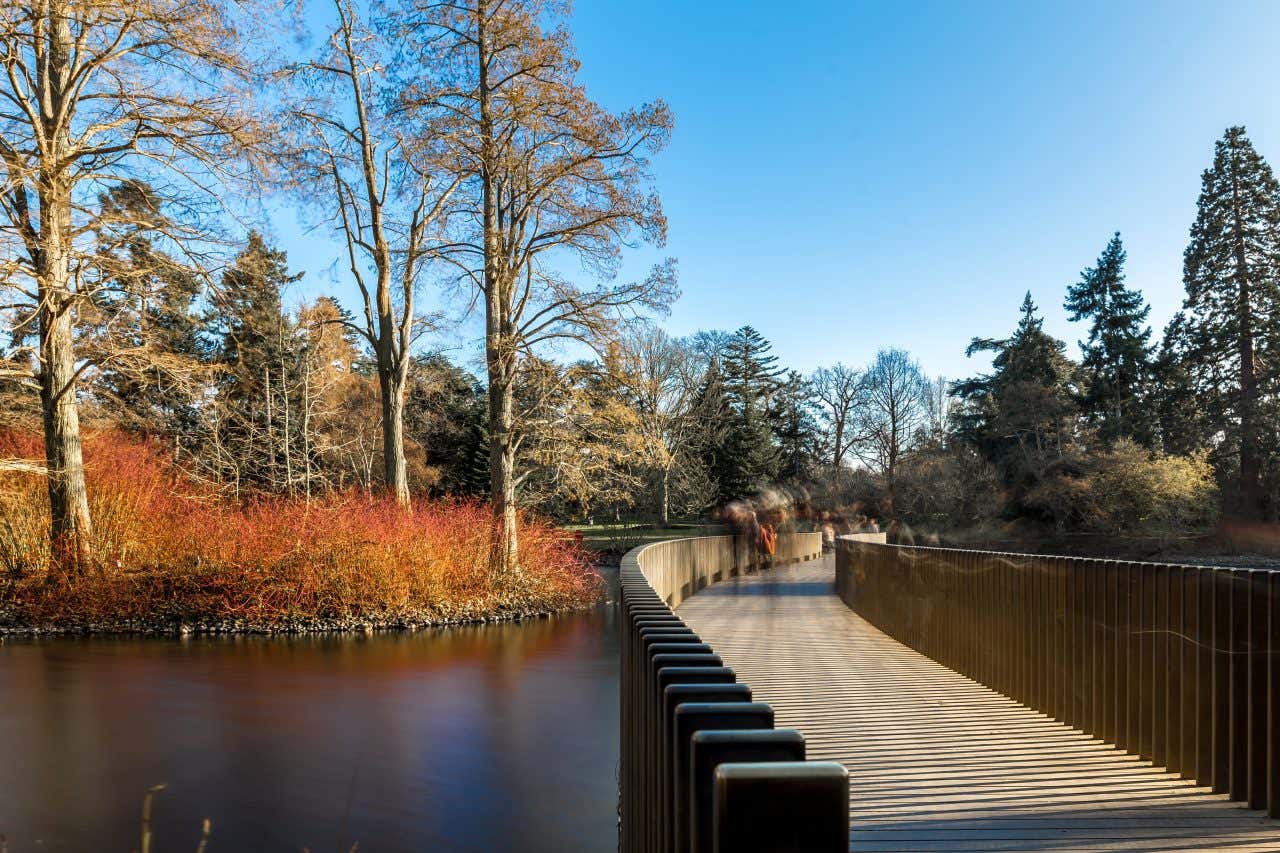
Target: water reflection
point(479, 738)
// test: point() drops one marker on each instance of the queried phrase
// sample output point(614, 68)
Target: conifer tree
point(752, 377)
point(1021, 414)
point(145, 330)
point(257, 356)
point(1184, 426)
point(712, 413)
point(1232, 275)
point(748, 459)
point(445, 414)
point(751, 369)
point(254, 336)
point(795, 425)
point(1116, 357)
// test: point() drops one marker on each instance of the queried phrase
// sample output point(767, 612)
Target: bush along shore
point(173, 556)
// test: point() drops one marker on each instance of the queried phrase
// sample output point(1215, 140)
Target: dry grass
point(172, 550)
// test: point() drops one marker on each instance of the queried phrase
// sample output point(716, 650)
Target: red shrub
point(169, 548)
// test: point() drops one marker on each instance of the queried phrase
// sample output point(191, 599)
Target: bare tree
point(548, 176)
point(941, 407)
point(661, 378)
point(580, 444)
point(385, 204)
point(893, 406)
point(837, 390)
point(93, 93)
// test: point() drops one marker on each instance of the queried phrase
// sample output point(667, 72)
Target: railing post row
point(675, 693)
point(1177, 664)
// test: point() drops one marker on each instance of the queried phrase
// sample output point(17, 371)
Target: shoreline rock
point(362, 624)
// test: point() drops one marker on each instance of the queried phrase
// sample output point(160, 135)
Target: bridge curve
point(771, 710)
point(936, 760)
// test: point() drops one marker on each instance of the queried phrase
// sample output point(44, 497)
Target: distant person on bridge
point(768, 543)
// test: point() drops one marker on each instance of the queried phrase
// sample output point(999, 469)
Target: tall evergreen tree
point(748, 459)
point(1021, 415)
point(751, 369)
point(712, 412)
point(258, 356)
point(255, 330)
point(795, 426)
point(146, 330)
point(446, 414)
point(1232, 275)
point(752, 377)
point(1117, 355)
point(1184, 424)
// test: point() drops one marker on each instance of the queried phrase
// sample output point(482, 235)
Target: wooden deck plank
point(938, 762)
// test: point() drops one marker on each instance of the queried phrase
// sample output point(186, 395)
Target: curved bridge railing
point(702, 766)
point(1179, 665)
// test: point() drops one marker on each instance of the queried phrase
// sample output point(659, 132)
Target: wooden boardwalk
point(936, 760)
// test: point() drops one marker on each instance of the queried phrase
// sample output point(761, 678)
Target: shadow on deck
point(937, 761)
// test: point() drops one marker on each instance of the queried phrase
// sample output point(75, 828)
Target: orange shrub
point(171, 550)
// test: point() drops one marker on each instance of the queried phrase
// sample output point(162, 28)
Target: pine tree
point(146, 330)
point(1231, 272)
point(751, 369)
point(259, 356)
point(446, 414)
point(1117, 356)
point(1184, 425)
point(712, 412)
point(1021, 414)
point(752, 378)
point(255, 331)
point(749, 460)
point(796, 430)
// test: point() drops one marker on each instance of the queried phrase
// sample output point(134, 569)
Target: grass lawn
point(623, 537)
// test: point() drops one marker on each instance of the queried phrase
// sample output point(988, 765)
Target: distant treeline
point(1131, 436)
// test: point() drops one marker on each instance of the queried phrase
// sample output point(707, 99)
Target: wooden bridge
point(934, 759)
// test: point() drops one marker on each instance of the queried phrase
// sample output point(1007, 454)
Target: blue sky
point(849, 176)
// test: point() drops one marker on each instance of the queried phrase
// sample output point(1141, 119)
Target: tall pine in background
point(446, 415)
point(1183, 420)
point(712, 414)
point(1022, 414)
point(752, 378)
point(795, 427)
point(1117, 356)
point(1232, 275)
point(258, 357)
point(146, 327)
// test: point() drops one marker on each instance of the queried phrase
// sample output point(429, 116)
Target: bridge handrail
point(678, 568)
point(1177, 664)
point(697, 755)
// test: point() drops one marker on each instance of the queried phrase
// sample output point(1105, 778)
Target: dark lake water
point(487, 738)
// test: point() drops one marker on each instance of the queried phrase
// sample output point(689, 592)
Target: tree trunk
point(272, 468)
point(70, 529)
point(393, 460)
point(306, 428)
point(502, 456)
point(287, 443)
point(666, 496)
point(500, 352)
point(838, 453)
